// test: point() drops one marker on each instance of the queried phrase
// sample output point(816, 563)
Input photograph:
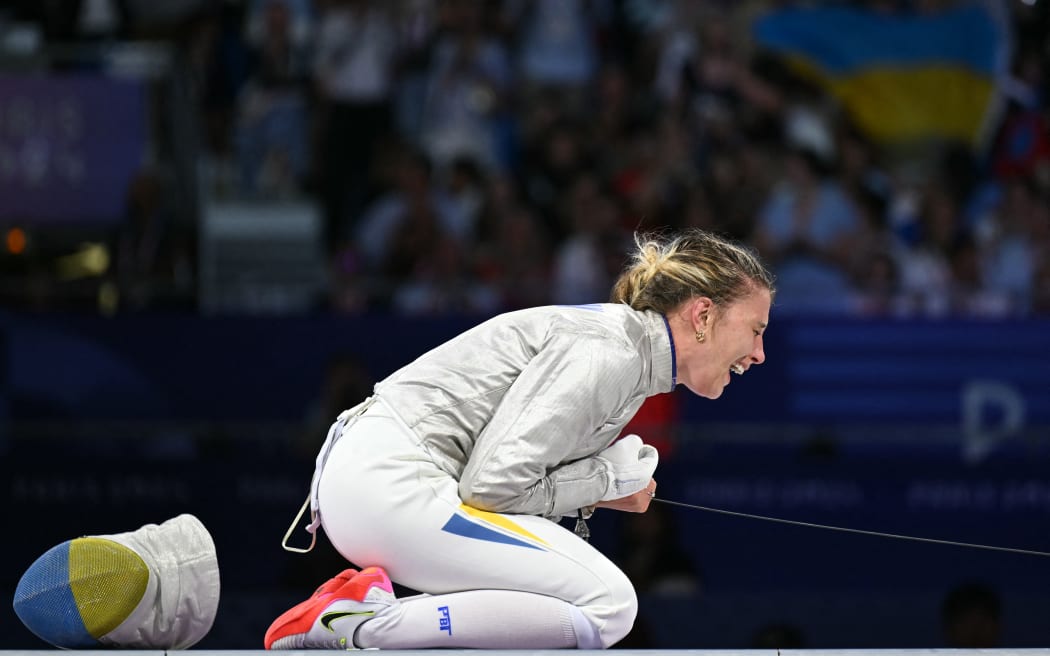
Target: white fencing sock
point(480, 619)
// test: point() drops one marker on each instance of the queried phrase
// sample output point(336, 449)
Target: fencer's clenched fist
point(630, 464)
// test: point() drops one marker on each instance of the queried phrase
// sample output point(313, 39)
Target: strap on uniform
point(345, 418)
point(311, 528)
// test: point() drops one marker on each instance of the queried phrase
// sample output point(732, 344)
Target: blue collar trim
point(674, 359)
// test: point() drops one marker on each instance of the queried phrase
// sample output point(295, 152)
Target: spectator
point(969, 295)
point(516, 259)
point(713, 81)
point(877, 286)
point(1010, 243)
point(444, 281)
point(272, 134)
point(154, 263)
point(554, 162)
point(464, 184)
point(402, 225)
point(808, 228)
point(354, 69)
point(466, 93)
point(212, 41)
point(926, 268)
point(557, 49)
point(587, 261)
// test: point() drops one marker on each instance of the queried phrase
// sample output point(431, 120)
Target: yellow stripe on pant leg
point(501, 521)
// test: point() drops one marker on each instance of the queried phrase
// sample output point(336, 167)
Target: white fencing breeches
point(383, 502)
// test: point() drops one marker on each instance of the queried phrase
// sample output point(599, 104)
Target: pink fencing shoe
point(330, 617)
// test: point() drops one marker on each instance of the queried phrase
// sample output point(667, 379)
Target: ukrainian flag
point(903, 77)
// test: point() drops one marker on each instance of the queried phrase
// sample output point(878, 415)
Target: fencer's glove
point(630, 464)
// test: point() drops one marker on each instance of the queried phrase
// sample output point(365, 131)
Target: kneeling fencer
point(452, 477)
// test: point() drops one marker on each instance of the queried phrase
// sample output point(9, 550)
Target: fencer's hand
point(637, 502)
point(630, 464)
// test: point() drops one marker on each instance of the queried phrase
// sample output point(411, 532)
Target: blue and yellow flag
point(901, 76)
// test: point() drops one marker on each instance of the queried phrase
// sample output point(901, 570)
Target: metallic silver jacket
point(516, 408)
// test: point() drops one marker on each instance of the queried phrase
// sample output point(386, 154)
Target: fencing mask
point(153, 588)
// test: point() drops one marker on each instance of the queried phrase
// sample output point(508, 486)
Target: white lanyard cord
point(1028, 552)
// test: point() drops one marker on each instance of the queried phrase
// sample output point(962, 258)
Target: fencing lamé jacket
point(516, 408)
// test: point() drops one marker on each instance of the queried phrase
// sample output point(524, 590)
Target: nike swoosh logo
point(328, 618)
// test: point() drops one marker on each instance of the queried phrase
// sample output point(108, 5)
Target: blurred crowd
point(482, 156)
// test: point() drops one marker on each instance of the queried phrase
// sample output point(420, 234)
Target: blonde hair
point(665, 271)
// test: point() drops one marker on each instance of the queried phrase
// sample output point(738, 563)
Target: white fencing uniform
point(453, 476)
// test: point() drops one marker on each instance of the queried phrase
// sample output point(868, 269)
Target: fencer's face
point(732, 343)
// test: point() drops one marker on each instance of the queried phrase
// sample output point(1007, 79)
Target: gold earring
point(700, 336)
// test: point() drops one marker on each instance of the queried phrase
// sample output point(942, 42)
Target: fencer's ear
point(700, 309)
